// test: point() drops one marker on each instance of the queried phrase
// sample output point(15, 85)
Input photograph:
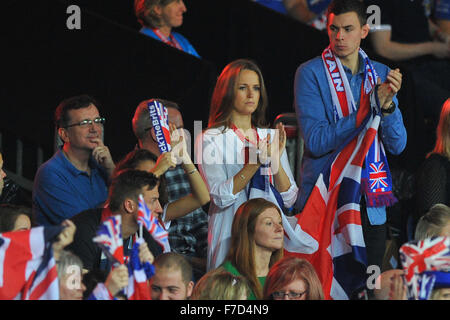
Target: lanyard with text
point(171, 41)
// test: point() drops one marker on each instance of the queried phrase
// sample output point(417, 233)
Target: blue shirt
point(184, 43)
point(442, 10)
point(322, 134)
point(61, 191)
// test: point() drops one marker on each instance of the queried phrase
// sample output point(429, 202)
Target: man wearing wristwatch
point(329, 91)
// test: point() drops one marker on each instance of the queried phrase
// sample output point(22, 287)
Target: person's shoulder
point(313, 63)
point(215, 132)
point(310, 67)
point(52, 167)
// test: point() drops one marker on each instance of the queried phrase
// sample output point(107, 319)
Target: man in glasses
point(76, 177)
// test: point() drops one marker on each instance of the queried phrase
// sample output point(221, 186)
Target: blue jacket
point(322, 134)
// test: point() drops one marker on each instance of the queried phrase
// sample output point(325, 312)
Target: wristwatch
point(390, 109)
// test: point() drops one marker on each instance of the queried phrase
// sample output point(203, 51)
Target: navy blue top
point(61, 191)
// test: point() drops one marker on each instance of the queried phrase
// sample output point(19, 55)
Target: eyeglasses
point(278, 295)
point(87, 122)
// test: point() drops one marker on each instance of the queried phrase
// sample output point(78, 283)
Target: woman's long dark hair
point(222, 101)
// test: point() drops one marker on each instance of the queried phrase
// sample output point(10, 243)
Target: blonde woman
point(219, 284)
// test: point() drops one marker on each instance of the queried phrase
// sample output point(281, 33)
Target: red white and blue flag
point(109, 238)
point(139, 274)
point(27, 267)
point(328, 232)
point(378, 176)
point(152, 224)
point(422, 261)
point(160, 121)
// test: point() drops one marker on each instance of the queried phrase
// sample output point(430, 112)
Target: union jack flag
point(378, 176)
point(109, 238)
point(419, 257)
point(139, 274)
point(27, 267)
point(152, 224)
point(328, 232)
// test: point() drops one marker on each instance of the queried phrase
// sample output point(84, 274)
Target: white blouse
point(220, 157)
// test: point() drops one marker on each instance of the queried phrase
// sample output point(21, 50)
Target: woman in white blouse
point(232, 149)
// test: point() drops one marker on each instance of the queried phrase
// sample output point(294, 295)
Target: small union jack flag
point(109, 238)
point(431, 254)
point(152, 224)
point(377, 176)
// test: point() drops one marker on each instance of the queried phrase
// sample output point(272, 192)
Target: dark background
point(44, 62)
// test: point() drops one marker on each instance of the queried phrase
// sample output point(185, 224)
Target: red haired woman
point(256, 243)
point(433, 180)
point(293, 278)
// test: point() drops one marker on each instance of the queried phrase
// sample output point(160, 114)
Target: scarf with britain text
point(376, 181)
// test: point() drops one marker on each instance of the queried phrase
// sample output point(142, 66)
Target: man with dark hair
point(172, 279)
point(329, 91)
point(123, 200)
point(76, 177)
point(188, 234)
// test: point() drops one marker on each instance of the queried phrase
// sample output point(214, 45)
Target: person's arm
point(385, 47)
point(299, 10)
point(222, 183)
point(200, 194)
point(320, 132)
point(65, 238)
point(393, 132)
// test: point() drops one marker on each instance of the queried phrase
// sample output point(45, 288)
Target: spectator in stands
point(426, 264)
point(159, 17)
point(227, 150)
point(76, 177)
point(433, 178)
point(322, 121)
point(256, 243)
point(15, 218)
point(311, 12)
point(122, 200)
point(188, 234)
point(71, 286)
point(441, 16)
point(2, 174)
point(406, 34)
point(293, 278)
point(219, 284)
point(436, 222)
point(172, 279)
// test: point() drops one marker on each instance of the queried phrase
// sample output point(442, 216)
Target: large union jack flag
point(27, 267)
point(420, 257)
point(328, 232)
